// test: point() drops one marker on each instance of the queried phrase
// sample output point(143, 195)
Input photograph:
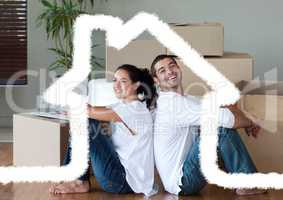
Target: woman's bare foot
point(245, 192)
point(76, 186)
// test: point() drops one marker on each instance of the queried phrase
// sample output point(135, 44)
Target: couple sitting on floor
point(164, 132)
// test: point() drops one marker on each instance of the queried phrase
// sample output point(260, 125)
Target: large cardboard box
point(206, 38)
point(235, 67)
point(39, 141)
point(264, 100)
point(138, 52)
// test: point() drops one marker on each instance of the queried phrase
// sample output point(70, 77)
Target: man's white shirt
point(174, 132)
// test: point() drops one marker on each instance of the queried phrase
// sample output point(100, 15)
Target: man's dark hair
point(157, 59)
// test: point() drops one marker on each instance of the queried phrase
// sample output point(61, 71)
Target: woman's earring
point(157, 88)
point(141, 97)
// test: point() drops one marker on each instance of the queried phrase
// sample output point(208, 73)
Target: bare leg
point(245, 192)
point(76, 186)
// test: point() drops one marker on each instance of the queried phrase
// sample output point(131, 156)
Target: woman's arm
point(102, 113)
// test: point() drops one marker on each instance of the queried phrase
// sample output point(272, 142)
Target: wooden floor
point(39, 191)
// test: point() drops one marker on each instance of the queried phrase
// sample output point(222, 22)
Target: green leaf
point(58, 18)
point(46, 3)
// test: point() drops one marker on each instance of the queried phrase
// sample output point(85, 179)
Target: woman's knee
point(94, 128)
point(192, 189)
point(111, 187)
point(93, 123)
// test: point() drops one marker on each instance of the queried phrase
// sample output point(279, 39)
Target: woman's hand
point(105, 114)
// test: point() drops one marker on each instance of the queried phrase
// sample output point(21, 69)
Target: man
point(176, 140)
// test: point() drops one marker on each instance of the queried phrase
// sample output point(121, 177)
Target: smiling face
point(168, 75)
point(123, 86)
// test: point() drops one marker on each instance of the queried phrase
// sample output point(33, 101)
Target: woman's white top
point(135, 147)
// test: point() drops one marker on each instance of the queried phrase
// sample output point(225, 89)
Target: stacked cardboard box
point(206, 38)
point(265, 101)
point(234, 66)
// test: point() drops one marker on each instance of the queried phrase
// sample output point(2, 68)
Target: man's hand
point(253, 130)
point(245, 120)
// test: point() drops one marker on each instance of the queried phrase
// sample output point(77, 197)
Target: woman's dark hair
point(146, 88)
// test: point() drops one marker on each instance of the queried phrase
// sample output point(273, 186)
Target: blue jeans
point(231, 150)
point(106, 165)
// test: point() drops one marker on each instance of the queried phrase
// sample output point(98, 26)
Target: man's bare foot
point(76, 186)
point(245, 192)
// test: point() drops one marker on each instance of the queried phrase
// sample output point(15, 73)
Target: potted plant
point(58, 17)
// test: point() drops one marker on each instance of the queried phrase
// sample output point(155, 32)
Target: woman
point(122, 163)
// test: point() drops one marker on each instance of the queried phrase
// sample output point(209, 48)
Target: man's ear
point(156, 81)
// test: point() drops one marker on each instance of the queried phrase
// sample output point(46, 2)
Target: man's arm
point(242, 121)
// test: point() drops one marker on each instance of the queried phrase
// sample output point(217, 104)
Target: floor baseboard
point(6, 135)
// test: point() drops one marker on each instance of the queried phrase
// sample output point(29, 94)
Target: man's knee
point(223, 131)
point(229, 134)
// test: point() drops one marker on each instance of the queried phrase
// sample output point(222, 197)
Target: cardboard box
point(138, 52)
point(235, 66)
point(206, 38)
point(264, 100)
point(39, 141)
point(256, 94)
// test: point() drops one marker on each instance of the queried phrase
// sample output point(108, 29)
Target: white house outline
point(223, 93)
